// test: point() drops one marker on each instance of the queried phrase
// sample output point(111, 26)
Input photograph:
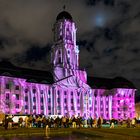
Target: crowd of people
point(65, 122)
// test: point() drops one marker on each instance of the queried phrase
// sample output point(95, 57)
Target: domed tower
point(65, 52)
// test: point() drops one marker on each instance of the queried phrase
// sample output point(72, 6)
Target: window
point(34, 90)
point(58, 107)
point(26, 90)
point(78, 108)
point(59, 60)
point(49, 108)
point(59, 52)
point(26, 98)
point(71, 100)
point(71, 93)
point(58, 100)
point(17, 96)
point(17, 105)
point(65, 93)
point(17, 88)
point(49, 93)
point(58, 92)
point(26, 107)
point(49, 100)
point(72, 108)
point(34, 107)
point(42, 107)
point(65, 107)
point(7, 96)
point(34, 99)
point(41, 99)
point(7, 86)
point(65, 100)
point(41, 92)
point(95, 102)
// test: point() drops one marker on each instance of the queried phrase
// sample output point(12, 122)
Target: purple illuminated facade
point(71, 92)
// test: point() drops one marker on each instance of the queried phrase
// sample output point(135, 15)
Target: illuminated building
point(66, 90)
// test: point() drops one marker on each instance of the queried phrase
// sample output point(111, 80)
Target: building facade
point(66, 90)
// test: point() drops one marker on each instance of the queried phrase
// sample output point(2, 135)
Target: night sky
point(108, 34)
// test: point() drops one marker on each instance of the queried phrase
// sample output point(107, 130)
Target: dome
point(64, 15)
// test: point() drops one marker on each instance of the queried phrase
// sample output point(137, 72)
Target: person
point(95, 123)
point(128, 122)
point(99, 122)
point(133, 123)
point(6, 123)
point(112, 123)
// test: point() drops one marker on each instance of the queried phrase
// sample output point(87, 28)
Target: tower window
point(7, 86)
point(59, 52)
point(26, 98)
point(59, 59)
point(17, 88)
point(17, 96)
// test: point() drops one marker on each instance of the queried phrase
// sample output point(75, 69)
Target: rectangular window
point(65, 100)
point(41, 99)
point(49, 93)
point(71, 100)
point(65, 93)
point(71, 93)
point(65, 107)
point(95, 102)
point(41, 92)
point(26, 98)
point(26, 107)
point(49, 100)
point(58, 107)
point(42, 107)
point(78, 108)
point(34, 99)
point(17, 96)
point(58, 100)
point(34, 90)
point(7, 86)
point(72, 108)
point(58, 92)
point(17, 88)
point(34, 107)
point(59, 60)
point(49, 108)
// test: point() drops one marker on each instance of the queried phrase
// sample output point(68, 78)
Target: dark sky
point(108, 34)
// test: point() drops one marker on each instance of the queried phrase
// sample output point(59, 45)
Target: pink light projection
point(70, 94)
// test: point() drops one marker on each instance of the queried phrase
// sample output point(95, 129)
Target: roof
point(35, 76)
point(64, 15)
point(108, 83)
